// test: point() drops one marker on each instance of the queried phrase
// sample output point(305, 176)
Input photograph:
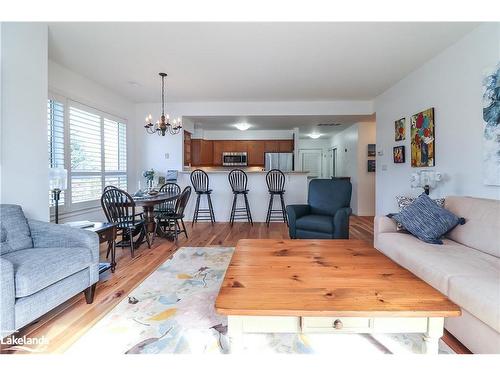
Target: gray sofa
point(466, 267)
point(41, 266)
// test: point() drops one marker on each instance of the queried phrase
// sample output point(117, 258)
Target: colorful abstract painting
point(398, 154)
point(491, 127)
point(400, 129)
point(423, 139)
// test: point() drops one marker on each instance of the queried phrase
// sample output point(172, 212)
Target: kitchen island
point(222, 196)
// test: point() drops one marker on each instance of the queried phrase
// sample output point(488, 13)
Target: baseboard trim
point(454, 344)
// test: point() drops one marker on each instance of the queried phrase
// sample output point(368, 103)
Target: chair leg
point(132, 243)
point(247, 206)
point(268, 218)
point(90, 293)
point(196, 207)
point(283, 210)
point(211, 208)
point(176, 231)
point(184, 228)
point(231, 218)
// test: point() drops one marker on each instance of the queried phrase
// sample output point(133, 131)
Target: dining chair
point(275, 180)
point(167, 207)
point(172, 218)
point(119, 208)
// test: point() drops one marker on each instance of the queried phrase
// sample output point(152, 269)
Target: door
point(333, 163)
point(311, 161)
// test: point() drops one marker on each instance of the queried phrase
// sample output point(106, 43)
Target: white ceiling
point(306, 124)
point(249, 61)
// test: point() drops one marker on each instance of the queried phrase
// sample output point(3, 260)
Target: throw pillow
point(426, 220)
point(406, 201)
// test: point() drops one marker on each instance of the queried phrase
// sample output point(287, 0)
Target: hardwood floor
point(66, 323)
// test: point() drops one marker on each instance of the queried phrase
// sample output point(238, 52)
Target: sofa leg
point(89, 293)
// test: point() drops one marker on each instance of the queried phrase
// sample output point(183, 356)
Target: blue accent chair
point(326, 216)
point(41, 266)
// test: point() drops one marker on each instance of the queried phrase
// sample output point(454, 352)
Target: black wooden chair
point(171, 219)
point(238, 180)
point(119, 208)
point(275, 180)
point(168, 207)
point(200, 182)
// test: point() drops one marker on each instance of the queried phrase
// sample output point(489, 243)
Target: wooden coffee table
point(330, 286)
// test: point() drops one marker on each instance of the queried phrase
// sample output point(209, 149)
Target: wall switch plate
point(167, 155)
point(384, 167)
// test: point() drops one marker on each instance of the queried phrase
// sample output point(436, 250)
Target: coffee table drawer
point(335, 324)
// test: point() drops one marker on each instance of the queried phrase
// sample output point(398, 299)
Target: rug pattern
point(172, 311)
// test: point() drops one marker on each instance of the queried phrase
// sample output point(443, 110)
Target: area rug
point(172, 311)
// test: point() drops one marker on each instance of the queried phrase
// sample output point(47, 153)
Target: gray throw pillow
point(406, 201)
point(426, 220)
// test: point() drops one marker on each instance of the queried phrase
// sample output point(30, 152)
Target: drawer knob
point(337, 324)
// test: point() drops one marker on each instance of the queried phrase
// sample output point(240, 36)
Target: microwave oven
point(230, 159)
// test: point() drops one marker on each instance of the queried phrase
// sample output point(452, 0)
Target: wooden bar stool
point(238, 180)
point(276, 185)
point(200, 182)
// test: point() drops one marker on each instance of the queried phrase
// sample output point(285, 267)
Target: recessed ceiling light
point(242, 126)
point(314, 135)
point(134, 83)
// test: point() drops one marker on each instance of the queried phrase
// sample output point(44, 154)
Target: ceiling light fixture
point(314, 135)
point(243, 126)
point(162, 126)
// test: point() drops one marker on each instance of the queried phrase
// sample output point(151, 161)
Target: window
point(92, 145)
point(55, 122)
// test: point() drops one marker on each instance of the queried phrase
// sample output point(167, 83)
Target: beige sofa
point(466, 267)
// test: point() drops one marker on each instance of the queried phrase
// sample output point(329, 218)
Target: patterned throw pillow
point(406, 201)
point(426, 220)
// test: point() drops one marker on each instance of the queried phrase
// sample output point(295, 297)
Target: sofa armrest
point(341, 223)
point(383, 224)
point(55, 235)
point(295, 211)
point(7, 298)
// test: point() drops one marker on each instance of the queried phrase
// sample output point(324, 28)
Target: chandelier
point(163, 125)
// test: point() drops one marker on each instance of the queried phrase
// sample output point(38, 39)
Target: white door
point(311, 161)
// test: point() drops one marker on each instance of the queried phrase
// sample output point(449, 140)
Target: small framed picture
point(398, 154)
point(161, 180)
point(371, 165)
point(371, 149)
point(400, 129)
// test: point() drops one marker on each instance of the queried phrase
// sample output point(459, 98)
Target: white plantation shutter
point(115, 153)
point(55, 132)
point(85, 137)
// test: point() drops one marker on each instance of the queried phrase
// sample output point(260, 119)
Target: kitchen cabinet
point(217, 154)
point(285, 145)
point(202, 152)
point(255, 151)
point(187, 148)
point(272, 146)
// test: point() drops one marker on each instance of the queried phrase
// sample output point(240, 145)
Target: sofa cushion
point(482, 228)
point(37, 268)
point(436, 264)
point(14, 232)
point(479, 294)
point(426, 220)
point(316, 223)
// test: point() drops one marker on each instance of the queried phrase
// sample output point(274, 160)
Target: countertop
point(249, 170)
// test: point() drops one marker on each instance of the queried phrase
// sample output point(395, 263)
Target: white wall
point(24, 151)
point(65, 82)
point(451, 83)
point(352, 152)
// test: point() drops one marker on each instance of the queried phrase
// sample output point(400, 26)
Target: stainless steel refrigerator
point(279, 160)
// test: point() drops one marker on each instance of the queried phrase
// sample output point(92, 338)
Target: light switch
point(384, 167)
point(167, 155)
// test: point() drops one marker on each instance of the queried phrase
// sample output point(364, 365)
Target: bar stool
point(200, 182)
point(276, 185)
point(238, 180)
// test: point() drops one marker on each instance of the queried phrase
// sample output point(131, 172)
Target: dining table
point(148, 203)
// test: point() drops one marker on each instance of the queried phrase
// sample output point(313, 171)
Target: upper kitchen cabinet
point(285, 145)
point(255, 150)
point(202, 152)
point(218, 148)
point(271, 146)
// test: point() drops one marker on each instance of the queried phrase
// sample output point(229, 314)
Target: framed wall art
point(423, 139)
point(398, 154)
point(400, 129)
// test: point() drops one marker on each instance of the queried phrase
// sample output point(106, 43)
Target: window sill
point(70, 214)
